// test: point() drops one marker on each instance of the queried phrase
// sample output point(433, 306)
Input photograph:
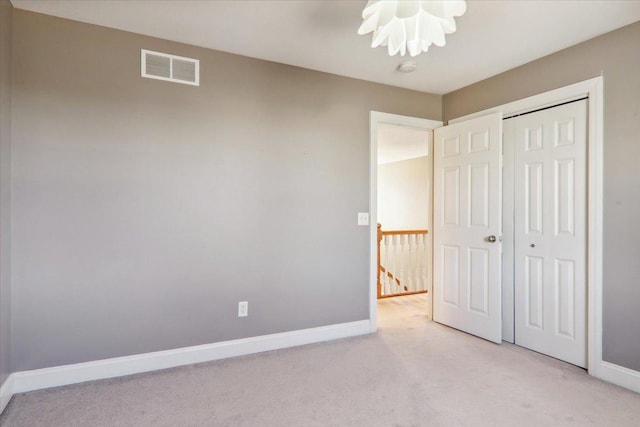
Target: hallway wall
point(403, 194)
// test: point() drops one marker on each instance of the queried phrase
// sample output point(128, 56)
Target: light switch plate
point(363, 218)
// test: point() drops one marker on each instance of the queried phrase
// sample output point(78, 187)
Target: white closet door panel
point(550, 231)
point(534, 284)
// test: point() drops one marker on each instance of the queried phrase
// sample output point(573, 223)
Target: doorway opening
point(404, 209)
point(400, 209)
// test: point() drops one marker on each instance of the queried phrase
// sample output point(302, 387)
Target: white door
point(550, 231)
point(466, 228)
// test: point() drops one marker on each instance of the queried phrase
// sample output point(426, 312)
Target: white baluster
point(423, 262)
point(383, 251)
point(415, 277)
point(416, 265)
point(388, 262)
point(427, 253)
point(397, 272)
point(406, 256)
point(392, 261)
point(401, 263)
point(408, 282)
point(396, 264)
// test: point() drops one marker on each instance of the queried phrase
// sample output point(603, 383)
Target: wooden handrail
point(401, 232)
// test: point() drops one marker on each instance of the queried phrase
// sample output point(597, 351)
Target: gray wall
point(617, 56)
point(6, 14)
point(145, 210)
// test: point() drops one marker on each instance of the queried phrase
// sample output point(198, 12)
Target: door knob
point(492, 239)
point(533, 245)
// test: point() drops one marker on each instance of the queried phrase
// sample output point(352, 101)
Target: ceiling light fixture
point(411, 25)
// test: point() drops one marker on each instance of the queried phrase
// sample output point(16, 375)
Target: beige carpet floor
point(413, 372)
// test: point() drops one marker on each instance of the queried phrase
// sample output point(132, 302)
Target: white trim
point(595, 215)
point(127, 365)
point(593, 89)
point(25, 381)
point(6, 392)
point(619, 375)
point(375, 118)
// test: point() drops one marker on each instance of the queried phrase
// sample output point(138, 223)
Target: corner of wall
point(6, 392)
point(6, 65)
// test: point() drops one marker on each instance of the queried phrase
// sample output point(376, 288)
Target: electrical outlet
point(243, 308)
point(363, 218)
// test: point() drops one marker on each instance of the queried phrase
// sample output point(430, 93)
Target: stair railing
point(402, 262)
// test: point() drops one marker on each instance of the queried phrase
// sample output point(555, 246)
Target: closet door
point(550, 231)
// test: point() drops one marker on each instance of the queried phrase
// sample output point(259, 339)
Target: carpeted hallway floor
point(411, 373)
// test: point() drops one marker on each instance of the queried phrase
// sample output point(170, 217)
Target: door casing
point(376, 118)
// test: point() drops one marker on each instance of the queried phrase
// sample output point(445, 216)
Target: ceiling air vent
point(171, 68)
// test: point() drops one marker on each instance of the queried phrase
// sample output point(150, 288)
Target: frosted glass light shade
point(410, 25)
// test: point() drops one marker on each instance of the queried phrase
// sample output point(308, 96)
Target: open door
point(467, 288)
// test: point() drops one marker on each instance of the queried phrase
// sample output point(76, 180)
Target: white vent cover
point(171, 68)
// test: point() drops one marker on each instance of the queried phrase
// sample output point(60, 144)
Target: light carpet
point(413, 372)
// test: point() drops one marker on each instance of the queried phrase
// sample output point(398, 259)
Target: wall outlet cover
point(243, 309)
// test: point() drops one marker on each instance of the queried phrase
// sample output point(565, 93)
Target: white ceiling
point(396, 143)
point(493, 36)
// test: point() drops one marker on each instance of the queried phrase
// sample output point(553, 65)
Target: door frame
point(593, 90)
point(376, 118)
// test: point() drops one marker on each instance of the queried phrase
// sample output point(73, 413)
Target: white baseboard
point(6, 392)
point(20, 382)
point(119, 366)
point(619, 375)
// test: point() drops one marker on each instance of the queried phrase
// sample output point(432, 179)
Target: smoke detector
point(407, 67)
